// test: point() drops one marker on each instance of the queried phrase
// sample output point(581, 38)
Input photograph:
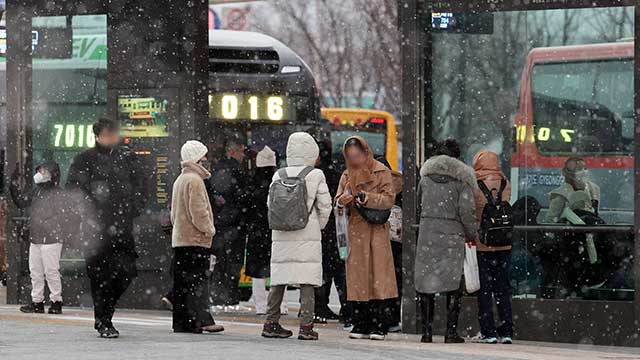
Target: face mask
point(39, 178)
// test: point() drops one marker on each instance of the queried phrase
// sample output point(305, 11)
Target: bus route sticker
point(237, 19)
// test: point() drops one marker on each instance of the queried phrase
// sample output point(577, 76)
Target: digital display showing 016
point(249, 107)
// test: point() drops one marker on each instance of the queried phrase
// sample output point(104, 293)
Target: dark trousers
point(370, 316)
point(495, 282)
point(109, 276)
point(333, 271)
point(229, 246)
point(427, 305)
point(395, 305)
point(190, 289)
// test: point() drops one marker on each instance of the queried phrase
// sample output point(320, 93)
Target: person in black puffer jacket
point(111, 193)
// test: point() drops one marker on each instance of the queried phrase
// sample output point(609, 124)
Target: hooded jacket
point(50, 217)
point(370, 268)
point(447, 219)
point(486, 165)
point(296, 256)
point(191, 213)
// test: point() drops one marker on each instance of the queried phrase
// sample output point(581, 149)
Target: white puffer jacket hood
point(296, 256)
point(302, 150)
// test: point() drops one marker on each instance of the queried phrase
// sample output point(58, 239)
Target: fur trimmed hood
point(447, 166)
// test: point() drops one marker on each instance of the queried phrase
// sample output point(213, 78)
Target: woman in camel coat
point(370, 270)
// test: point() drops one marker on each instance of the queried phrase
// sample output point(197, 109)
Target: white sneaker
point(507, 340)
point(481, 339)
point(358, 336)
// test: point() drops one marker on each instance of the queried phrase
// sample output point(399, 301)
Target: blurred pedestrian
point(113, 193)
point(447, 220)
point(191, 239)
point(370, 272)
point(296, 255)
point(48, 212)
point(259, 235)
point(227, 189)
point(494, 262)
point(333, 267)
point(395, 228)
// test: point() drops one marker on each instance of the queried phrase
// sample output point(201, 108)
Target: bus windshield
point(376, 140)
point(584, 108)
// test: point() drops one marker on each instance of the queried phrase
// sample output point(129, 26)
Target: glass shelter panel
point(69, 94)
point(550, 92)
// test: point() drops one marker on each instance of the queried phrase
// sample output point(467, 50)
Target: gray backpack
point(288, 201)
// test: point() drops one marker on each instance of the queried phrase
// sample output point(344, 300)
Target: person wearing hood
point(111, 191)
point(494, 263)
point(191, 240)
point(447, 221)
point(48, 214)
point(371, 280)
point(576, 186)
point(296, 256)
point(259, 239)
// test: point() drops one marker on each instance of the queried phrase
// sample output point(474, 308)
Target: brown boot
point(307, 333)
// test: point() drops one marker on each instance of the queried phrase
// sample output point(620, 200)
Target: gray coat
point(447, 217)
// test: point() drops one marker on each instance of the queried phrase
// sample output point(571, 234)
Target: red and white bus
point(577, 101)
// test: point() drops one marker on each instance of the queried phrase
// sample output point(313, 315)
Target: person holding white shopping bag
point(447, 222)
point(48, 213)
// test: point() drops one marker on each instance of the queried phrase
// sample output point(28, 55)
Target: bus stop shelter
point(158, 49)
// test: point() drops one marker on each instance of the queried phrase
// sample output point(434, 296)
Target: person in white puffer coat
point(296, 256)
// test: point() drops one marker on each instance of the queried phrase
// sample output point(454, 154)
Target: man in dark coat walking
point(227, 193)
point(110, 188)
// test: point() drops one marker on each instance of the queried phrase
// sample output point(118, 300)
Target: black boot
point(453, 312)
point(55, 308)
point(426, 308)
point(37, 308)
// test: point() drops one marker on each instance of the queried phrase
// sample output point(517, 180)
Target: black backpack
point(496, 223)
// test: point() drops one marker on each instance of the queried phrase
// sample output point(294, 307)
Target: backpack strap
point(503, 186)
point(306, 171)
point(487, 193)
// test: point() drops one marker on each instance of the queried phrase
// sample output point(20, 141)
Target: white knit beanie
point(193, 151)
point(266, 157)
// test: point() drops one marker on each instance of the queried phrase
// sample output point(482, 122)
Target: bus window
point(377, 141)
point(583, 107)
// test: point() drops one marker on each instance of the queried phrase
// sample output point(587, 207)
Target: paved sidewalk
point(147, 335)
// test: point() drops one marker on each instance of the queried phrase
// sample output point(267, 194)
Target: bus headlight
point(290, 69)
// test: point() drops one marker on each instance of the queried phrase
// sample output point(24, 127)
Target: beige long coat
point(370, 271)
point(191, 213)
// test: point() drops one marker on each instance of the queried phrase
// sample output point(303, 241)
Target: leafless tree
point(353, 47)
